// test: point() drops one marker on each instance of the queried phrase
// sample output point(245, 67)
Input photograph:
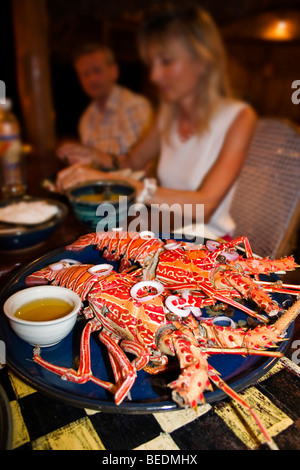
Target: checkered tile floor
point(40, 422)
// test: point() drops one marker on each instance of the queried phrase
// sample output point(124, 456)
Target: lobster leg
point(142, 359)
point(188, 388)
point(84, 373)
point(143, 355)
point(232, 244)
point(127, 369)
point(243, 351)
point(249, 289)
point(157, 363)
point(194, 379)
point(196, 376)
point(270, 335)
point(116, 368)
point(265, 265)
point(132, 347)
point(218, 296)
point(243, 240)
point(244, 341)
point(269, 286)
point(281, 325)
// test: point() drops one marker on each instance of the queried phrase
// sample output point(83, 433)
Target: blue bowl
point(101, 205)
point(20, 237)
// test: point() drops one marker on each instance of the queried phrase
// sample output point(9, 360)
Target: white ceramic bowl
point(42, 333)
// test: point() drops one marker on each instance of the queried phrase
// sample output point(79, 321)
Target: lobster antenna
point(214, 377)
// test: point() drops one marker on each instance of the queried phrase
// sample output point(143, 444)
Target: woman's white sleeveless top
point(183, 165)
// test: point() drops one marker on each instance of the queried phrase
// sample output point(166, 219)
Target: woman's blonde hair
point(197, 30)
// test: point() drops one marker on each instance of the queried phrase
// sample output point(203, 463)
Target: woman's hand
point(78, 173)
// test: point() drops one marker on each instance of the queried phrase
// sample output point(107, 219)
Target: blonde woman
point(201, 134)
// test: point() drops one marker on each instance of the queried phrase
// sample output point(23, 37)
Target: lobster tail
point(36, 280)
point(42, 277)
point(86, 240)
point(80, 278)
point(129, 247)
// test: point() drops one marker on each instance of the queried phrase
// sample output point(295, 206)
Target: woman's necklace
point(185, 130)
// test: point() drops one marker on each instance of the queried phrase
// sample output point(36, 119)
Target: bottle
point(11, 165)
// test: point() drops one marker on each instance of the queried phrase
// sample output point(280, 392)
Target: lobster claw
point(163, 339)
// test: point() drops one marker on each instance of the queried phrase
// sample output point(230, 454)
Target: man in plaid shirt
point(115, 120)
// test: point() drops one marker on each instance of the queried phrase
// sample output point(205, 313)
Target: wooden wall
point(261, 72)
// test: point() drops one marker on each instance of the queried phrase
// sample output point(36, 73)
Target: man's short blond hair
point(90, 48)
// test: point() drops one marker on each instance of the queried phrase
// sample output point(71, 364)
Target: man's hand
point(76, 153)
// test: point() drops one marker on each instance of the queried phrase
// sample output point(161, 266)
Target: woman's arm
point(213, 189)
point(139, 157)
point(223, 173)
point(145, 151)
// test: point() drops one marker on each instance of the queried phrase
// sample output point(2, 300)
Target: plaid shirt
point(119, 126)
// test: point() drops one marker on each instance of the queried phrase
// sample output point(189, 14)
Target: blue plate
point(149, 393)
point(22, 237)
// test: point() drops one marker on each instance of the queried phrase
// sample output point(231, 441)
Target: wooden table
point(42, 422)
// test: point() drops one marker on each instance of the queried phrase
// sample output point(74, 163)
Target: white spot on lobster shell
point(70, 261)
point(172, 303)
point(231, 256)
point(196, 311)
point(226, 320)
point(57, 266)
point(62, 264)
point(146, 234)
point(212, 245)
point(172, 246)
point(158, 286)
point(185, 293)
point(100, 269)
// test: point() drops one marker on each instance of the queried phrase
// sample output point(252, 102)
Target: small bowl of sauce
point(42, 315)
point(101, 202)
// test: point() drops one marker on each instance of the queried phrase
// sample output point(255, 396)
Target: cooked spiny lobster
point(215, 270)
point(154, 311)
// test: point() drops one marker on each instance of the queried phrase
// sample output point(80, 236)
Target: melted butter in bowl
point(99, 197)
point(44, 309)
point(42, 315)
point(101, 202)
